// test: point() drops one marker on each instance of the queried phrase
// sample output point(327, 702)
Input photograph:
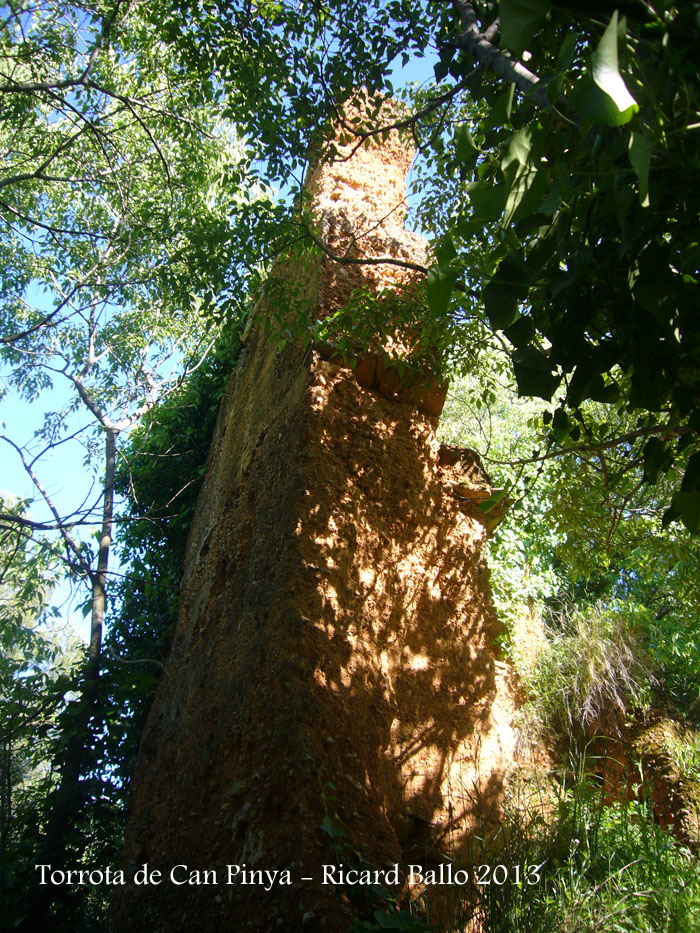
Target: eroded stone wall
point(359, 205)
point(333, 686)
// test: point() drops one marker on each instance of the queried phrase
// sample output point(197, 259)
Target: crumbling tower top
point(369, 174)
point(358, 202)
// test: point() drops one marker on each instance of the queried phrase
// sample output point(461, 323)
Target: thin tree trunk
point(67, 802)
point(5, 807)
point(99, 579)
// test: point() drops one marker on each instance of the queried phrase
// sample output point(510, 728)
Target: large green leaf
point(534, 373)
point(607, 77)
point(520, 170)
point(691, 477)
point(521, 331)
point(520, 20)
point(657, 459)
point(488, 201)
point(508, 286)
point(686, 506)
point(518, 149)
point(466, 149)
point(440, 285)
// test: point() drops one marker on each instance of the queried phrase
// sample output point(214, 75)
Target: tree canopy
point(559, 192)
point(124, 197)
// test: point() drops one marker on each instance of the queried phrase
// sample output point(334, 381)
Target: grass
point(606, 869)
point(592, 673)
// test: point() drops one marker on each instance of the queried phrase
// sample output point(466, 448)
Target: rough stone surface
point(334, 656)
point(359, 203)
point(640, 763)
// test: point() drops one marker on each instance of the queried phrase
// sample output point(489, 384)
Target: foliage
point(125, 199)
point(36, 661)
point(569, 226)
point(583, 548)
point(483, 412)
point(170, 444)
point(584, 531)
point(161, 471)
point(565, 218)
point(587, 263)
point(593, 673)
point(392, 324)
point(120, 189)
point(685, 754)
point(604, 868)
point(124, 196)
point(281, 73)
point(378, 908)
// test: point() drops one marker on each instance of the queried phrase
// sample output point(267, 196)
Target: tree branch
point(353, 261)
point(69, 540)
point(652, 430)
point(477, 44)
point(409, 121)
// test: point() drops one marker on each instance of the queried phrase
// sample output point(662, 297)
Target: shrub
point(604, 869)
point(593, 672)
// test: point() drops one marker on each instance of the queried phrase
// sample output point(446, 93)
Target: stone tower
point(332, 694)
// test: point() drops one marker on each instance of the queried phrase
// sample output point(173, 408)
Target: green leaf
point(640, 148)
point(657, 459)
point(500, 112)
point(465, 147)
point(608, 78)
point(520, 20)
point(521, 331)
point(691, 477)
point(520, 171)
point(654, 285)
point(534, 373)
point(488, 201)
point(686, 506)
point(497, 496)
point(506, 289)
point(328, 826)
point(567, 51)
point(440, 70)
point(518, 149)
point(446, 252)
point(561, 425)
point(440, 285)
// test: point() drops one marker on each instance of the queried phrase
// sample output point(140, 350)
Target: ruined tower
point(332, 694)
